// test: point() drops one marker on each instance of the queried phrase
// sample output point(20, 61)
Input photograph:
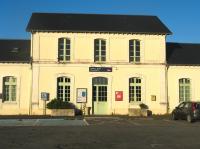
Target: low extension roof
point(96, 23)
point(183, 54)
point(15, 50)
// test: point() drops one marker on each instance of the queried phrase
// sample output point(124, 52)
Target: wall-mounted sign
point(45, 96)
point(100, 69)
point(118, 95)
point(81, 95)
point(153, 97)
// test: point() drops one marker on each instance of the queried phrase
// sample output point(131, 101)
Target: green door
point(99, 96)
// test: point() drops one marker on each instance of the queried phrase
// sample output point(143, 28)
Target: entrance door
point(99, 95)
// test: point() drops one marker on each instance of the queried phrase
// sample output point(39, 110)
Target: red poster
point(118, 95)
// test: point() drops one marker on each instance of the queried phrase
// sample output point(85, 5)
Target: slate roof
point(183, 54)
point(96, 23)
point(15, 50)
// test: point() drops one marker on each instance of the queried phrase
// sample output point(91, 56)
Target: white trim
point(17, 101)
point(110, 100)
point(143, 89)
point(72, 85)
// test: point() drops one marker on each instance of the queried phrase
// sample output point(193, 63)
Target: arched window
point(135, 89)
point(99, 89)
point(99, 50)
point(134, 50)
point(184, 89)
point(63, 88)
point(9, 88)
point(64, 49)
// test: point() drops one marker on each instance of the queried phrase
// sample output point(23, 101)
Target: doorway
point(99, 95)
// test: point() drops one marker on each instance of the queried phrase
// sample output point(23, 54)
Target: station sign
point(118, 95)
point(100, 69)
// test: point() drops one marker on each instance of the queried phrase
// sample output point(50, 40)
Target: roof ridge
point(80, 22)
point(104, 14)
point(12, 39)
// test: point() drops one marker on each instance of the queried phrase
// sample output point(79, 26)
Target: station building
point(117, 61)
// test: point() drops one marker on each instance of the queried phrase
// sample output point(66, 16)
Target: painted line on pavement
point(134, 123)
point(35, 123)
point(42, 122)
point(87, 124)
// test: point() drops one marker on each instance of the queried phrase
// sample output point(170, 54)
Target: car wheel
point(174, 116)
point(189, 118)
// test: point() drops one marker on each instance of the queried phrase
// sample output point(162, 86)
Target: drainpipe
point(166, 87)
point(31, 81)
point(166, 77)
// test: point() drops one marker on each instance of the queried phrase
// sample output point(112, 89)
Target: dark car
point(189, 111)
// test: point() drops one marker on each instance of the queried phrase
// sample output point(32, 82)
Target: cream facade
point(151, 69)
point(175, 73)
point(118, 71)
point(21, 103)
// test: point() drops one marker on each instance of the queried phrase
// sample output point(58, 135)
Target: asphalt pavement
point(42, 122)
point(105, 133)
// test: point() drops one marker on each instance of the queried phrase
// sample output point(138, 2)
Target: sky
point(182, 17)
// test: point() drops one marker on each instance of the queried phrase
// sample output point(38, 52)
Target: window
point(9, 88)
point(134, 51)
point(99, 50)
point(64, 49)
point(99, 87)
point(63, 88)
point(184, 89)
point(134, 89)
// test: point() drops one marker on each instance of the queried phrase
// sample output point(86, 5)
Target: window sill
point(100, 62)
point(135, 102)
point(64, 62)
point(9, 102)
point(135, 63)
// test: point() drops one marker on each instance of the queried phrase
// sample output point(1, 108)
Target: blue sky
point(182, 17)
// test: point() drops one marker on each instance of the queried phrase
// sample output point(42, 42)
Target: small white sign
point(45, 96)
point(81, 95)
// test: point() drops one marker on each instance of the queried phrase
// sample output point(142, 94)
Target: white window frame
point(134, 58)
point(66, 50)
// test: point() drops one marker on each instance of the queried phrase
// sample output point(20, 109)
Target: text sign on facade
point(118, 95)
point(81, 95)
point(100, 69)
point(45, 96)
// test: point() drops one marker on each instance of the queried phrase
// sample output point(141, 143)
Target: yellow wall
point(45, 46)
point(177, 72)
point(151, 69)
point(46, 69)
point(118, 81)
point(22, 73)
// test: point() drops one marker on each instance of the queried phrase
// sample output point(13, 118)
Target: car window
point(198, 106)
point(181, 105)
point(187, 105)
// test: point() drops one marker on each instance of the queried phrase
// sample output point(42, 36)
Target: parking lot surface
point(105, 133)
point(42, 122)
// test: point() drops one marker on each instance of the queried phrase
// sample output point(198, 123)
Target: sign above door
point(100, 69)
